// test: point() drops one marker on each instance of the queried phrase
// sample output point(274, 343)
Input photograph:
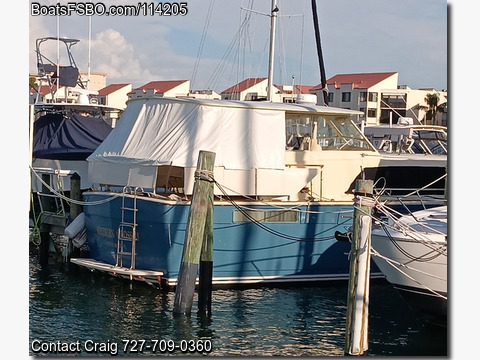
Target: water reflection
point(68, 304)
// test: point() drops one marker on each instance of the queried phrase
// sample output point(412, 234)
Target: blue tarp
point(68, 138)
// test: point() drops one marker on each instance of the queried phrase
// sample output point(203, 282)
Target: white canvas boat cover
point(165, 131)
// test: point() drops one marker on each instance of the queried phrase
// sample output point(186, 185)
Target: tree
point(32, 82)
point(432, 102)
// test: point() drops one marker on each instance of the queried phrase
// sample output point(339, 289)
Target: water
point(70, 305)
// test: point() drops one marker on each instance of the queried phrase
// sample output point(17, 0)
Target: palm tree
point(432, 102)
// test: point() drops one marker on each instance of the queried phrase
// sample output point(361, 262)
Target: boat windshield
point(430, 142)
point(327, 132)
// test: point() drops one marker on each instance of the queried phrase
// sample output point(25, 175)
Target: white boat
point(407, 142)
point(406, 138)
point(411, 251)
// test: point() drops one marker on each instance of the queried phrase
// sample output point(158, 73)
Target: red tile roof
point(304, 89)
point(161, 87)
point(111, 89)
point(243, 85)
point(359, 81)
point(44, 90)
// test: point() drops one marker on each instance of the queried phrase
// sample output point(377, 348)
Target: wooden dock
point(149, 276)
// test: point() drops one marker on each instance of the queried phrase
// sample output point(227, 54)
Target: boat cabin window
point(271, 216)
point(430, 142)
point(327, 132)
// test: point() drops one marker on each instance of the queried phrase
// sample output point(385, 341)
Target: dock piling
point(199, 231)
point(356, 336)
point(75, 194)
point(445, 194)
point(206, 265)
point(44, 248)
point(75, 210)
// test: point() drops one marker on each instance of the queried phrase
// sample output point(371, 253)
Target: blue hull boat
point(291, 244)
point(282, 173)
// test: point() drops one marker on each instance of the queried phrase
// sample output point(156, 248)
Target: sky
point(210, 47)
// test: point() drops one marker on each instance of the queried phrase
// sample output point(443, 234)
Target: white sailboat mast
point(272, 50)
point(89, 50)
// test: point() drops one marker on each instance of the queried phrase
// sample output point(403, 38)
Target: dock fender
point(77, 225)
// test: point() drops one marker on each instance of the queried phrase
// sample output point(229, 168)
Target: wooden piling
point(44, 248)
point(356, 336)
point(75, 194)
point(445, 193)
point(75, 210)
point(196, 233)
point(206, 265)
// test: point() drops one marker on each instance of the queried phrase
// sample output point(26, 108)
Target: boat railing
point(58, 208)
point(48, 207)
point(405, 197)
point(51, 212)
point(408, 192)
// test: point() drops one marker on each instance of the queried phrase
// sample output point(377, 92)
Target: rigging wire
point(202, 41)
point(241, 43)
point(222, 64)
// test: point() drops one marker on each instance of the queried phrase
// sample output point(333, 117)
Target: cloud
point(113, 55)
point(36, 30)
point(366, 36)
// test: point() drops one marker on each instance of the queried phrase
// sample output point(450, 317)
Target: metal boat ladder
point(127, 230)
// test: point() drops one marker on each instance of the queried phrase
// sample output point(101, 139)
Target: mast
point(319, 53)
point(58, 64)
point(89, 50)
point(272, 49)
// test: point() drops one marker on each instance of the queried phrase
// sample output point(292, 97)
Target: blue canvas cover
point(68, 138)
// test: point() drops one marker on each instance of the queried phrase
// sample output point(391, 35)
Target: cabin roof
point(258, 105)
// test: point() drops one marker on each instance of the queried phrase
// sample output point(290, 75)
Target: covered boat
point(282, 175)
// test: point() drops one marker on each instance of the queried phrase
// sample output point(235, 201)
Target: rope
point(393, 263)
point(35, 232)
point(426, 186)
point(435, 249)
point(206, 175)
point(292, 208)
point(73, 201)
point(364, 201)
point(266, 228)
point(411, 233)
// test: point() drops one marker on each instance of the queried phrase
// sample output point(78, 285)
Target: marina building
point(114, 95)
point(250, 89)
point(255, 89)
point(382, 100)
point(377, 95)
point(165, 88)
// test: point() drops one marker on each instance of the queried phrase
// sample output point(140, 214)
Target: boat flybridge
point(66, 121)
point(64, 82)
